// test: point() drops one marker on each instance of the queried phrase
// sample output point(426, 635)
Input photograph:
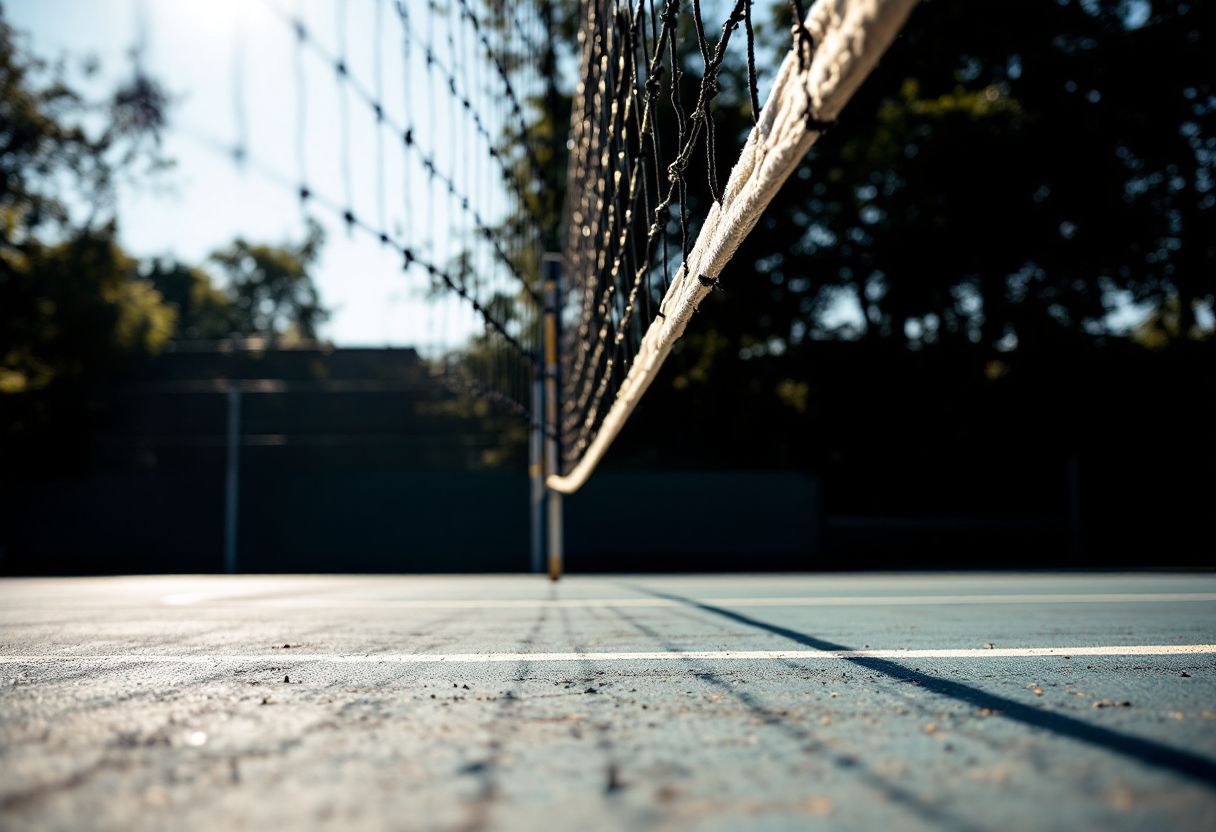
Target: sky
point(235, 71)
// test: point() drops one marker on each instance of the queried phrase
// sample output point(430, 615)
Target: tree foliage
point(203, 310)
point(266, 290)
point(1012, 172)
point(269, 288)
point(75, 309)
point(1012, 175)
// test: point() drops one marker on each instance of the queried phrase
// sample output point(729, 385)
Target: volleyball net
point(446, 142)
point(446, 131)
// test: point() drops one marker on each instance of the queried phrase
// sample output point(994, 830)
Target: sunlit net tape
point(836, 48)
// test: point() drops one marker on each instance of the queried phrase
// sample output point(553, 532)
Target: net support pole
point(536, 473)
point(232, 476)
point(552, 275)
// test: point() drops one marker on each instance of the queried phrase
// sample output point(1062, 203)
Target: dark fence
point(431, 522)
point(360, 461)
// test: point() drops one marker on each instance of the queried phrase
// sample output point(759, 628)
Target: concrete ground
point(863, 702)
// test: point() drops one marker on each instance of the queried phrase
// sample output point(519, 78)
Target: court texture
point(898, 701)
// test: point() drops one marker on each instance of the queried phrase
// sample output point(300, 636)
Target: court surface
point(921, 701)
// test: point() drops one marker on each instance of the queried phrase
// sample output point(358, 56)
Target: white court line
point(800, 601)
point(700, 655)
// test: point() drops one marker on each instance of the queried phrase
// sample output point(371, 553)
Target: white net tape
point(851, 36)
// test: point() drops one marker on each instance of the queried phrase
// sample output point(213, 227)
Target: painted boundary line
point(801, 601)
point(718, 655)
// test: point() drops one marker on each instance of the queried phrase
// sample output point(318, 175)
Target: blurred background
point(973, 331)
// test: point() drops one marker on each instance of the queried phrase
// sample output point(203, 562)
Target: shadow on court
point(1153, 753)
point(892, 791)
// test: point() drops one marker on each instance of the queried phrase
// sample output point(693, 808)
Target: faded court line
point(797, 601)
point(682, 655)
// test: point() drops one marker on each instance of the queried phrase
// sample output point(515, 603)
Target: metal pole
point(552, 266)
point(536, 473)
point(232, 480)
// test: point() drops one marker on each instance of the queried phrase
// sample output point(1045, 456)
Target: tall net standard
point(643, 140)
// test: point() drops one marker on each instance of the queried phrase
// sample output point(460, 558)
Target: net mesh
point(644, 151)
point(439, 158)
point(435, 156)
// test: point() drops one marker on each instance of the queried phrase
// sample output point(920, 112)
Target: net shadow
point(1193, 766)
point(889, 790)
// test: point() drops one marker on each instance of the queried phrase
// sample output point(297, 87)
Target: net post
point(232, 477)
point(536, 472)
point(552, 277)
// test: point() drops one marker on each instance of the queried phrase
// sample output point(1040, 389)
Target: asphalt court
point(960, 701)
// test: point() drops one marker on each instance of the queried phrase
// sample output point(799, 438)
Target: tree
point(203, 311)
point(269, 288)
point(268, 291)
point(1012, 172)
point(73, 309)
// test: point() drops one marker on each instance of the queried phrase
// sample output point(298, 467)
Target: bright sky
point(197, 48)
